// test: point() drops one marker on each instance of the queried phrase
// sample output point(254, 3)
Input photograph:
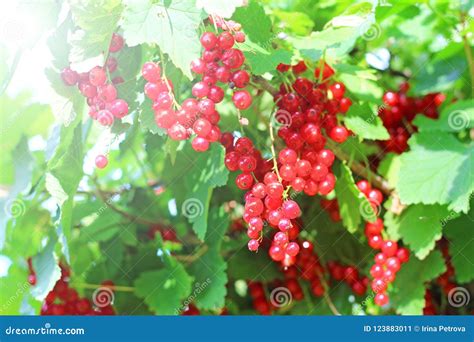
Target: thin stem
point(272, 147)
point(193, 257)
point(125, 214)
point(327, 297)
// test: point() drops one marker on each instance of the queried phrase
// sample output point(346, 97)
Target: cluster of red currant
point(429, 308)
point(259, 299)
point(309, 268)
point(241, 155)
point(64, 300)
point(391, 256)
point(350, 275)
point(104, 106)
point(219, 62)
point(266, 202)
point(400, 110)
point(306, 107)
point(332, 208)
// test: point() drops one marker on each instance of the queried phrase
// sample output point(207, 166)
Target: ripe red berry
point(339, 134)
point(101, 161)
point(381, 299)
point(208, 40)
point(389, 248)
point(70, 77)
point(116, 44)
point(244, 181)
point(403, 254)
point(291, 209)
point(151, 72)
point(200, 144)
point(390, 98)
point(292, 249)
point(337, 90)
point(97, 76)
point(253, 245)
point(242, 99)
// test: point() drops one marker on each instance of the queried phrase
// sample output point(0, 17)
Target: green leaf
point(335, 41)
point(408, 293)
point(65, 167)
point(389, 168)
point(353, 205)
point(255, 22)
point(207, 173)
point(297, 22)
point(63, 177)
point(438, 75)
point(210, 269)
point(164, 291)
point(460, 234)
point(96, 21)
point(437, 169)
point(247, 265)
point(360, 82)
point(365, 123)
point(454, 118)
point(264, 61)
point(147, 120)
point(47, 271)
point(173, 26)
point(420, 226)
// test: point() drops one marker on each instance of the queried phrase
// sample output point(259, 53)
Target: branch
point(192, 257)
point(102, 195)
point(377, 180)
point(265, 85)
